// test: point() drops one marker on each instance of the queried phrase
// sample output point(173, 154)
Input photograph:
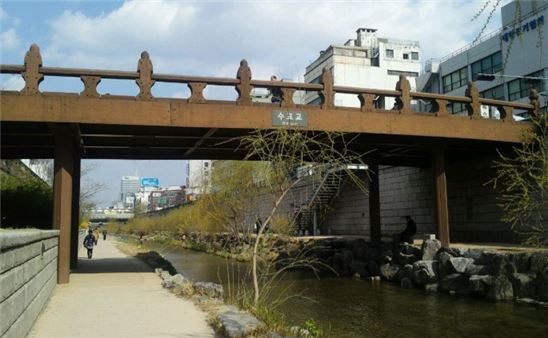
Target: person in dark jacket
point(409, 232)
point(89, 242)
point(104, 235)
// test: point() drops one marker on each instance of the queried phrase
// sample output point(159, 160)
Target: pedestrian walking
point(96, 235)
point(104, 235)
point(89, 242)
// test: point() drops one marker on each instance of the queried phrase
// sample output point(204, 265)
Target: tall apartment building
point(368, 62)
point(129, 186)
point(198, 175)
point(515, 55)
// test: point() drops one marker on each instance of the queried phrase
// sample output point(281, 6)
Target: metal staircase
point(323, 189)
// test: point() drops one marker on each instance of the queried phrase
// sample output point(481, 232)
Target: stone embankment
point(226, 319)
point(493, 275)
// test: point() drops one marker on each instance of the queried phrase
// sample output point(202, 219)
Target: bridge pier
point(440, 186)
point(62, 196)
point(75, 212)
point(374, 202)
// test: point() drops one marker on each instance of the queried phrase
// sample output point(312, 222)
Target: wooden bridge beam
point(75, 212)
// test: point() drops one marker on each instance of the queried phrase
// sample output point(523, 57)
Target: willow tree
point(293, 156)
point(523, 181)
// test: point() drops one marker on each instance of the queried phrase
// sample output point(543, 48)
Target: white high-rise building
point(199, 174)
point(367, 62)
point(129, 186)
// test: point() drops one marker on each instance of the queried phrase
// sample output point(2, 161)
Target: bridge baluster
point(473, 108)
point(244, 88)
point(327, 94)
point(197, 92)
point(534, 101)
point(439, 107)
point(403, 102)
point(145, 82)
point(32, 75)
point(90, 86)
point(506, 113)
point(287, 97)
point(366, 102)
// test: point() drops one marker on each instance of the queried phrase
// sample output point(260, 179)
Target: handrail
point(33, 73)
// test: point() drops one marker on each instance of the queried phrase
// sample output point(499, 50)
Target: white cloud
point(9, 39)
point(275, 37)
point(13, 82)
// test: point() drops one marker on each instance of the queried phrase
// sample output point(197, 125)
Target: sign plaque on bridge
point(289, 118)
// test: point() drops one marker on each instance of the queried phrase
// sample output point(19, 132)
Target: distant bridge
point(72, 126)
point(117, 217)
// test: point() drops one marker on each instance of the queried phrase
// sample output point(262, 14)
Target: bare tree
point(287, 151)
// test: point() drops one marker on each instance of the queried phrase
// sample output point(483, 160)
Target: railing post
point(403, 102)
point(32, 75)
point(327, 94)
point(244, 88)
point(534, 101)
point(90, 86)
point(197, 92)
point(474, 107)
point(506, 113)
point(145, 82)
point(287, 97)
point(440, 107)
point(366, 102)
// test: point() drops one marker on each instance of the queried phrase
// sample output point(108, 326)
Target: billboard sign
point(150, 182)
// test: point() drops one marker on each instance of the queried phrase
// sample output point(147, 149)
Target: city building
point(505, 65)
point(129, 186)
point(198, 175)
point(167, 197)
point(368, 62)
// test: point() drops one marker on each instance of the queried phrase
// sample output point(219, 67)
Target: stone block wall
point(28, 275)
point(474, 214)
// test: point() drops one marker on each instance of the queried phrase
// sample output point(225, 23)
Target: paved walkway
point(113, 295)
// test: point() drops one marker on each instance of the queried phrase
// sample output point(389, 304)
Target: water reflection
point(356, 308)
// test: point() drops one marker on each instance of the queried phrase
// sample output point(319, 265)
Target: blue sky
point(210, 38)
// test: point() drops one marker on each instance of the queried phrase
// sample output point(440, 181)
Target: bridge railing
point(33, 73)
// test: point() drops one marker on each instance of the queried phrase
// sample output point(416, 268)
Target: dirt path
point(113, 295)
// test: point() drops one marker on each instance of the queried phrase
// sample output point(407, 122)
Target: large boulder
point(387, 256)
point(460, 264)
point(475, 254)
point(501, 264)
point(239, 324)
point(501, 289)
point(425, 272)
point(453, 282)
point(521, 261)
point(543, 284)
point(404, 259)
point(474, 269)
point(406, 271)
point(409, 249)
point(444, 264)
point(389, 271)
point(212, 290)
point(374, 269)
point(523, 284)
point(480, 284)
point(538, 262)
point(429, 249)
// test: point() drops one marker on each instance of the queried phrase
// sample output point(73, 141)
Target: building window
point(389, 53)
point(455, 80)
point(414, 55)
point(401, 72)
point(495, 93)
point(456, 107)
point(519, 88)
point(405, 56)
point(488, 65)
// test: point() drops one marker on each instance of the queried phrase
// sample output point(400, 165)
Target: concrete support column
point(374, 202)
point(440, 186)
point(62, 197)
point(75, 214)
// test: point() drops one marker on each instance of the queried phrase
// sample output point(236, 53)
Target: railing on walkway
point(33, 73)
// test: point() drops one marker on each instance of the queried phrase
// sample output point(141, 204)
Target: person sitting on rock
point(409, 232)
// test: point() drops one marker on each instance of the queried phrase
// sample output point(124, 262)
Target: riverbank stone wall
point(28, 275)
point(520, 276)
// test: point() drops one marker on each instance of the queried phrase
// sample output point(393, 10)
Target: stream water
point(356, 308)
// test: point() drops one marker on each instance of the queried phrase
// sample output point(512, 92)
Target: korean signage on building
point(150, 182)
point(529, 25)
point(289, 119)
